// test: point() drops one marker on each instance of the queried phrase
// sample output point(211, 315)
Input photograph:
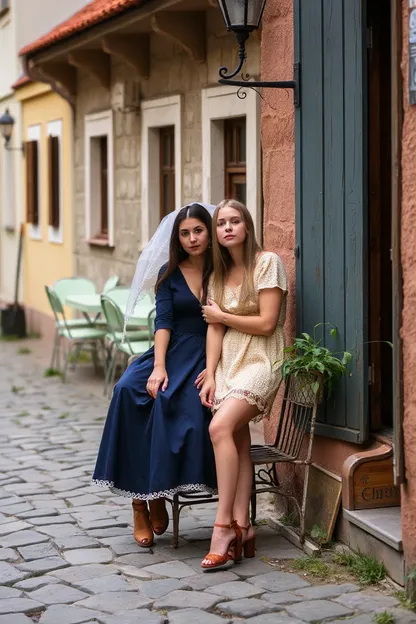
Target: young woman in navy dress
point(156, 441)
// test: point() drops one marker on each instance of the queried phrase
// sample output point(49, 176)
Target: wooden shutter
point(331, 204)
point(32, 183)
point(54, 182)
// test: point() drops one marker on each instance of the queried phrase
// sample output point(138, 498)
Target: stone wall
point(408, 330)
point(172, 72)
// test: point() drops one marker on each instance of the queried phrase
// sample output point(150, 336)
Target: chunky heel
point(233, 553)
point(159, 517)
point(250, 548)
point(143, 533)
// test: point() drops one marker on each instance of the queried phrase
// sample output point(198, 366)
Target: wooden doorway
point(380, 216)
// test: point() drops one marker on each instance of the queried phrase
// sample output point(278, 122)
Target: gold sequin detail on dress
point(246, 368)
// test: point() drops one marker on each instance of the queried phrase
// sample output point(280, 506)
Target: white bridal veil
point(153, 256)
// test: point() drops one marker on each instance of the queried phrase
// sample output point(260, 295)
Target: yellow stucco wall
point(45, 261)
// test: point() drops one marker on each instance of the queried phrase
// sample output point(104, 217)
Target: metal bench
point(184, 499)
point(297, 417)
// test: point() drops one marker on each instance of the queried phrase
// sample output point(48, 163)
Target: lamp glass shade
point(6, 125)
point(242, 15)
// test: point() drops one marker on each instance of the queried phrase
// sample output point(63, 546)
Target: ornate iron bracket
point(282, 84)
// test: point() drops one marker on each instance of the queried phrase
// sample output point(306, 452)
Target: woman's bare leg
point(245, 477)
point(232, 415)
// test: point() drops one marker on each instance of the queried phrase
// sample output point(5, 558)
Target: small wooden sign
point(374, 485)
point(368, 481)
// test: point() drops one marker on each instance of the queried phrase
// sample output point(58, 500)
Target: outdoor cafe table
point(91, 305)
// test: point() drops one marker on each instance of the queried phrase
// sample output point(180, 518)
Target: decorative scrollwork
point(242, 93)
point(266, 476)
point(223, 70)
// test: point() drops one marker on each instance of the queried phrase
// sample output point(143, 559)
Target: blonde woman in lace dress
point(245, 313)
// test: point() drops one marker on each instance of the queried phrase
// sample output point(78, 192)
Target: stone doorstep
point(385, 524)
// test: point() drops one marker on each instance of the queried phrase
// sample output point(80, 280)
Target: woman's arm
point(163, 327)
point(215, 335)
point(159, 375)
point(270, 303)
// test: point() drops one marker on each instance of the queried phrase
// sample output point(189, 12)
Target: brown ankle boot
point(143, 533)
point(159, 518)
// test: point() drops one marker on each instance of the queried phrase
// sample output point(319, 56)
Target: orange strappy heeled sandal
point(159, 517)
point(248, 547)
point(143, 533)
point(233, 553)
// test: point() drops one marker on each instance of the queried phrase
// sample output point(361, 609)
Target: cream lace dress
point(247, 369)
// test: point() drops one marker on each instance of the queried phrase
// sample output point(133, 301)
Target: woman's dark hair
point(177, 254)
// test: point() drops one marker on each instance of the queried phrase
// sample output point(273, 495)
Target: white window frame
point(218, 104)
point(56, 235)
point(155, 115)
point(97, 125)
point(34, 134)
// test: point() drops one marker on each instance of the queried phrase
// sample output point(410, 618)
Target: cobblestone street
point(67, 552)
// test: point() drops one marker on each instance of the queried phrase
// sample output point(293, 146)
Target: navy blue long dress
point(157, 447)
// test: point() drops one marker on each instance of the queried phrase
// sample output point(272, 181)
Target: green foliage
point(384, 617)
point(313, 566)
point(319, 534)
point(405, 601)
point(52, 372)
point(367, 570)
point(411, 576)
point(16, 389)
point(307, 355)
point(290, 519)
point(11, 338)
point(83, 356)
point(63, 415)
point(24, 351)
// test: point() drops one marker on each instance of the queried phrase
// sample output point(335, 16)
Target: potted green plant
point(312, 367)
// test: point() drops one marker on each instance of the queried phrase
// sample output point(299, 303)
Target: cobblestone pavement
point(67, 555)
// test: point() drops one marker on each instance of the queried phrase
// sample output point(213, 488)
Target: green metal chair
point(136, 342)
point(78, 337)
point(111, 283)
point(67, 286)
point(120, 296)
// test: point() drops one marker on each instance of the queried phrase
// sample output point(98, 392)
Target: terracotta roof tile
point(92, 14)
point(21, 81)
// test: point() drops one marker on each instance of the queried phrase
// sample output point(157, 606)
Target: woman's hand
point(159, 376)
point(200, 379)
point(212, 312)
point(207, 393)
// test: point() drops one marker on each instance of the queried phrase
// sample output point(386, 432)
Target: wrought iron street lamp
point(242, 17)
point(6, 130)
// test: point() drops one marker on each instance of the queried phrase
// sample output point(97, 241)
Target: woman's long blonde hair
point(223, 261)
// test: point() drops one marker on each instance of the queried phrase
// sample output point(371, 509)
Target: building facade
point(19, 24)
point(47, 131)
point(153, 130)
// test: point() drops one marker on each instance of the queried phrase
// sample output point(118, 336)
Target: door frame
point(397, 289)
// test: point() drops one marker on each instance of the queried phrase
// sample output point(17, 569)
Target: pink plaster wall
point(408, 331)
point(278, 141)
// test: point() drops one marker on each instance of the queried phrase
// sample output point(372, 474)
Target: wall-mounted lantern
point(6, 130)
point(242, 17)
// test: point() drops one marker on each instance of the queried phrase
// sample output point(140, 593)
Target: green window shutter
point(331, 204)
